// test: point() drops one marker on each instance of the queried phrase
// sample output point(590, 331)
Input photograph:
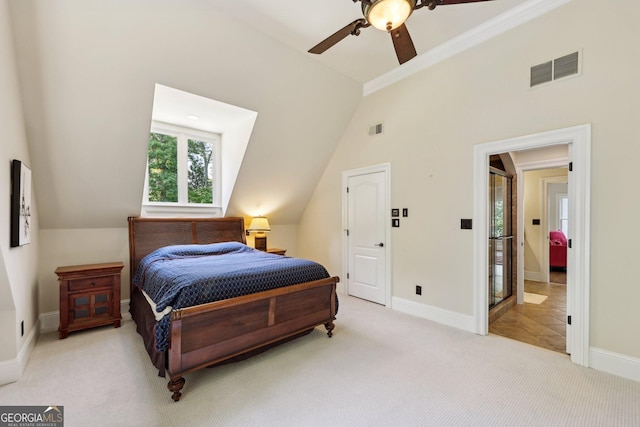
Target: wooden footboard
point(211, 333)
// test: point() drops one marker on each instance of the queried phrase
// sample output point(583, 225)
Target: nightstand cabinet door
point(90, 306)
point(89, 296)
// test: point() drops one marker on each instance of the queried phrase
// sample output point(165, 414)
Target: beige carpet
point(381, 368)
point(534, 298)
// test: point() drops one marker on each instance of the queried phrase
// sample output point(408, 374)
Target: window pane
point(564, 207)
point(200, 172)
point(163, 168)
point(564, 215)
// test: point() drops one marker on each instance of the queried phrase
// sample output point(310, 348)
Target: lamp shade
point(387, 15)
point(259, 224)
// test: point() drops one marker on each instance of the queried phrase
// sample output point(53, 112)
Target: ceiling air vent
point(375, 129)
point(564, 66)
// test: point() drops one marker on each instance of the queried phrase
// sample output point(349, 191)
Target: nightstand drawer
point(91, 283)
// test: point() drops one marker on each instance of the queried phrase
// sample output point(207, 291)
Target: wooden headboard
point(148, 234)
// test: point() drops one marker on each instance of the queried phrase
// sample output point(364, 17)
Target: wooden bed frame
point(212, 333)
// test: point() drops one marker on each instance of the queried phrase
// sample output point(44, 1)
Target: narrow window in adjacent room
point(563, 214)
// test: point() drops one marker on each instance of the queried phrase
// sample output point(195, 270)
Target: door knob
point(380, 244)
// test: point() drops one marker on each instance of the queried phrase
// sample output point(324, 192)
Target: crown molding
point(500, 24)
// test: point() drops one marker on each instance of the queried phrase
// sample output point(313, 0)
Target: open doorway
point(539, 317)
point(578, 140)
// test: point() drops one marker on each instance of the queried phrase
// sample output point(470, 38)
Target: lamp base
point(261, 243)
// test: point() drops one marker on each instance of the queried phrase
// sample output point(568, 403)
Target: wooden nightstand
point(89, 296)
point(276, 251)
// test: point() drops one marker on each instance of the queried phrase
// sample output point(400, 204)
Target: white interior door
point(366, 225)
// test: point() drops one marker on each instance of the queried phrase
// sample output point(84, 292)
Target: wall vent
point(376, 129)
point(564, 66)
point(542, 73)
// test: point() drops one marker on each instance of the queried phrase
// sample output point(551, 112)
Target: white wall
point(75, 247)
point(88, 70)
point(433, 120)
point(18, 266)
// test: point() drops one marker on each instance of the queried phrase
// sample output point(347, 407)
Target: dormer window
point(183, 170)
point(194, 153)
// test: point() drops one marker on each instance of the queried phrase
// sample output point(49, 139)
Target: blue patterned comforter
point(186, 275)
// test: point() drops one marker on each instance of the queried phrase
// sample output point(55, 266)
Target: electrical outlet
point(418, 290)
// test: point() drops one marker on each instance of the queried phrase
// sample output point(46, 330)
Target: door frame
point(578, 138)
point(386, 169)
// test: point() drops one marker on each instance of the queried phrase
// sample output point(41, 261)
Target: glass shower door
point(500, 238)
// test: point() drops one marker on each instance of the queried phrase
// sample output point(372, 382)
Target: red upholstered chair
point(557, 249)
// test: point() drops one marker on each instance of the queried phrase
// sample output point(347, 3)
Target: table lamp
point(260, 225)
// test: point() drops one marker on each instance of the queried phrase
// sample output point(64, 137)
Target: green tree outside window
point(200, 172)
point(163, 168)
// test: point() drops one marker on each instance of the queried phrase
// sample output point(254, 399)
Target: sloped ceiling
point(303, 24)
point(88, 70)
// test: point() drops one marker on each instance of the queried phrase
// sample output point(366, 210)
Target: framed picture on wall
point(20, 204)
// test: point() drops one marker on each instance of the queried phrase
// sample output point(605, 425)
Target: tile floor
point(542, 325)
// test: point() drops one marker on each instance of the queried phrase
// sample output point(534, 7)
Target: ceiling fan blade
point(405, 50)
point(352, 28)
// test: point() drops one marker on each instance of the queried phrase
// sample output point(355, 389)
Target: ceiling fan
point(389, 16)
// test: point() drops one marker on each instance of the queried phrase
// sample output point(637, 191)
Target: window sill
point(173, 210)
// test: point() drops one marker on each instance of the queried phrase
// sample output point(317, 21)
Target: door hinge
point(570, 166)
point(347, 275)
point(347, 232)
point(568, 320)
point(569, 243)
point(347, 189)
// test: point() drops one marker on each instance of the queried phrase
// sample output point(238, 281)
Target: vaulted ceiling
point(88, 70)
point(303, 24)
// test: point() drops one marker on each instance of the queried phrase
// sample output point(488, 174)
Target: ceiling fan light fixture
point(387, 15)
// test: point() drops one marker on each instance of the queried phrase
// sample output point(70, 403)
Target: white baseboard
point(124, 309)
point(446, 317)
point(50, 321)
point(601, 360)
point(615, 363)
point(11, 370)
point(535, 276)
